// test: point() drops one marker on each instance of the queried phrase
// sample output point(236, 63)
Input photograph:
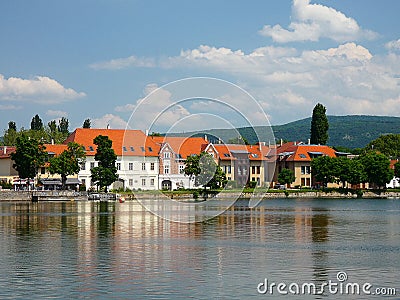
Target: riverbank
point(27, 196)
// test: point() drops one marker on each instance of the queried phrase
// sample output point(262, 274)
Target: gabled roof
point(124, 142)
point(5, 151)
point(55, 149)
point(254, 152)
point(183, 146)
point(302, 152)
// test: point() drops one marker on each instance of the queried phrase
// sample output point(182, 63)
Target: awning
point(50, 181)
point(74, 181)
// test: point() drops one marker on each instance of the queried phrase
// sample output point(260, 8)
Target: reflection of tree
point(106, 220)
point(320, 234)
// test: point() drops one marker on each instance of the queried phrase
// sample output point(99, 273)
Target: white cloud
point(393, 45)
point(114, 121)
point(121, 63)
point(40, 89)
point(310, 22)
point(56, 113)
point(9, 107)
point(155, 109)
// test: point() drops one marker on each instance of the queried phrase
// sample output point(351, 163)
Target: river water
point(85, 250)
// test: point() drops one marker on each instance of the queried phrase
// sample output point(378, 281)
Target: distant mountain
point(347, 131)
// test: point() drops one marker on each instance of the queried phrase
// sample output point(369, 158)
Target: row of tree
point(31, 154)
point(53, 132)
point(372, 167)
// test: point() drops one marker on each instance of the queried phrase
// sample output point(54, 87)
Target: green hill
point(347, 131)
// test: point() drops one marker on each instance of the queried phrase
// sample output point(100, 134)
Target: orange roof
point(56, 149)
point(304, 152)
point(124, 142)
point(254, 152)
point(185, 146)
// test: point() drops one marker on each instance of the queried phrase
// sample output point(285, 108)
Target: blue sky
point(96, 59)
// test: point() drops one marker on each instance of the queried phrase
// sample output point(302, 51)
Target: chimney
point(52, 141)
point(281, 142)
point(147, 132)
point(259, 146)
point(205, 137)
point(108, 126)
point(295, 143)
point(5, 150)
point(309, 141)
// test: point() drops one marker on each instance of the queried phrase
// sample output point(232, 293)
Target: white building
point(137, 157)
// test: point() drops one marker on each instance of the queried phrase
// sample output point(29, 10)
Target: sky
point(99, 59)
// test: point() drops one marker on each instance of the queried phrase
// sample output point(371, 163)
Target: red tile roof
point(185, 146)
point(5, 151)
point(124, 141)
point(254, 151)
point(56, 149)
point(302, 152)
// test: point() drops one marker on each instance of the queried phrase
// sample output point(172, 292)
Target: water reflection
point(87, 248)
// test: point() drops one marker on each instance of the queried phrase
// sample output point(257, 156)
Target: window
point(253, 170)
point(302, 155)
point(229, 170)
point(143, 181)
point(118, 166)
point(83, 166)
point(42, 170)
point(83, 181)
point(130, 182)
point(227, 155)
point(92, 165)
point(152, 181)
point(91, 148)
point(124, 148)
point(132, 149)
point(305, 170)
point(166, 169)
point(142, 148)
point(181, 168)
point(143, 166)
point(150, 149)
point(178, 156)
point(239, 170)
point(83, 148)
point(130, 166)
point(258, 170)
point(152, 166)
point(167, 155)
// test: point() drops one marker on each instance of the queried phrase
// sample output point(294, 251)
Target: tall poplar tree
point(319, 125)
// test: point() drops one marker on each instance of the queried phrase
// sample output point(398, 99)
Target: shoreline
point(26, 196)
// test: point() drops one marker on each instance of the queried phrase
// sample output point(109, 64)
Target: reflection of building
point(172, 157)
point(137, 157)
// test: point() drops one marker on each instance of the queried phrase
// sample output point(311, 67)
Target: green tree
point(10, 135)
point(68, 162)
point(29, 155)
point(12, 126)
point(319, 125)
point(63, 125)
point(286, 176)
point(388, 144)
point(52, 126)
point(86, 123)
point(106, 172)
point(36, 123)
point(377, 168)
point(323, 169)
point(356, 172)
point(207, 172)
